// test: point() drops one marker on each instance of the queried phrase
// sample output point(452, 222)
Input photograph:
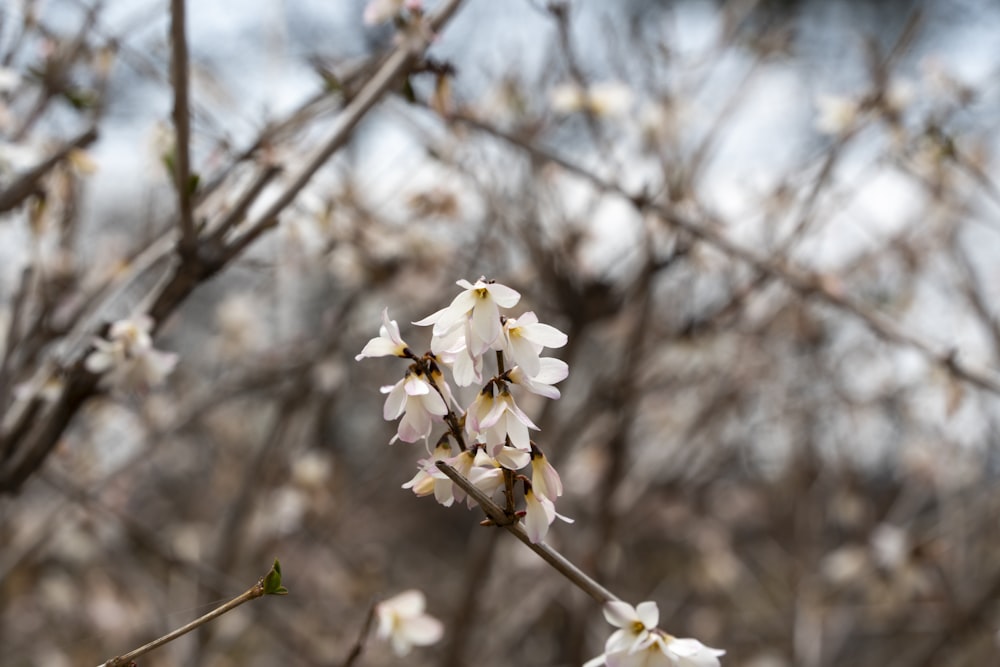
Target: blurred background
point(771, 231)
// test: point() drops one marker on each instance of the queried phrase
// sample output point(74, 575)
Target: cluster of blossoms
point(127, 359)
point(492, 432)
point(639, 643)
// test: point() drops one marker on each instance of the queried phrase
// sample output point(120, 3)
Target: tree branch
point(182, 127)
point(576, 576)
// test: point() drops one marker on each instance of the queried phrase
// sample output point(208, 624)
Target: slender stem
point(182, 126)
point(384, 79)
point(256, 591)
point(359, 644)
point(560, 563)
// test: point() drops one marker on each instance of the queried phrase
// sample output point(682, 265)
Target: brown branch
point(252, 593)
point(182, 128)
point(27, 184)
point(560, 563)
point(398, 62)
point(359, 643)
point(805, 283)
point(200, 266)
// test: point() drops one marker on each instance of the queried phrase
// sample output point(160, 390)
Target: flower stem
point(256, 591)
point(560, 563)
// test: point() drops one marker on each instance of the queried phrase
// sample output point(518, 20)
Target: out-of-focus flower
point(417, 402)
point(837, 115)
point(402, 621)
point(604, 99)
point(525, 337)
point(10, 79)
point(380, 11)
point(550, 371)
point(240, 325)
point(890, 546)
point(127, 358)
point(388, 343)
point(639, 643)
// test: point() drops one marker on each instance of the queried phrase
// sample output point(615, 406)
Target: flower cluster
point(127, 359)
point(492, 433)
point(639, 643)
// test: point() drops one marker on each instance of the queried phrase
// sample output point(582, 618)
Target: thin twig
point(254, 592)
point(560, 563)
point(26, 185)
point(381, 82)
point(182, 127)
point(805, 283)
point(359, 643)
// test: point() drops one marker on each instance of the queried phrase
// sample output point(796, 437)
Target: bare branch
point(182, 127)
point(576, 576)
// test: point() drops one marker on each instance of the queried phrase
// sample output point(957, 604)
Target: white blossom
point(603, 99)
point(837, 114)
point(544, 478)
point(417, 402)
point(493, 419)
point(539, 514)
point(127, 359)
point(639, 643)
point(525, 337)
point(479, 305)
point(402, 621)
point(550, 372)
point(387, 343)
point(429, 479)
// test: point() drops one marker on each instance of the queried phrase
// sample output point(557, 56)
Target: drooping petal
point(485, 325)
point(512, 458)
point(395, 402)
point(545, 335)
point(504, 296)
point(536, 517)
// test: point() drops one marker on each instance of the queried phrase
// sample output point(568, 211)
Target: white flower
point(837, 114)
point(380, 11)
point(524, 337)
point(417, 401)
point(493, 419)
point(450, 348)
point(429, 479)
point(486, 474)
point(544, 478)
point(127, 358)
point(539, 514)
point(9, 79)
point(550, 371)
point(604, 99)
point(479, 305)
point(639, 643)
point(633, 623)
point(388, 343)
point(512, 458)
point(401, 620)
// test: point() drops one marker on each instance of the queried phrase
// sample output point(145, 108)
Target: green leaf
point(272, 581)
point(193, 181)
